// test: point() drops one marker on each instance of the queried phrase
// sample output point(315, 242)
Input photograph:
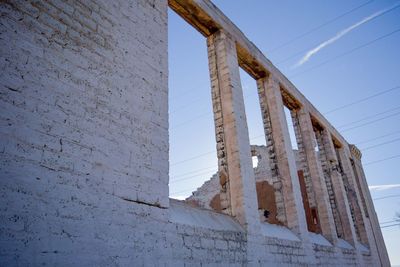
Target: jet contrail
point(340, 34)
point(383, 187)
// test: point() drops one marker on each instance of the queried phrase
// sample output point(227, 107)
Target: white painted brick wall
point(84, 144)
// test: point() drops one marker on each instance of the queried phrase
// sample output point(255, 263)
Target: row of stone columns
point(325, 170)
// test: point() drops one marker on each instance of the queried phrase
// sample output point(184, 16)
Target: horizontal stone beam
point(207, 19)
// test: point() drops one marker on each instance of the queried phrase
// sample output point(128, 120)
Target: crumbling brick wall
point(207, 195)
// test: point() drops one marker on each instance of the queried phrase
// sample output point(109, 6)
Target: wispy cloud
point(340, 34)
point(383, 187)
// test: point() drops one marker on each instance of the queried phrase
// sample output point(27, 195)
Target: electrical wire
point(385, 197)
point(381, 160)
point(311, 47)
point(319, 27)
point(377, 138)
point(363, 99)
point(191, 177)
point(214, 170)
point(389, 222)
point(368, 117)
point(386, 226)
point(370, 122)
point(345, 53)
point(191, 120)
point(195, 171)
point(381, 144)
point(194, 157)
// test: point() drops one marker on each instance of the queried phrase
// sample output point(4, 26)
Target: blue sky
point(360, 63)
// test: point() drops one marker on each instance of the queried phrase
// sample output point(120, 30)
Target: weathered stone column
point(325, 215)
point(271, 100)
point(374, 234)
point(238, 190)
point(272, 160)
point(353, 195)
point(339, 190)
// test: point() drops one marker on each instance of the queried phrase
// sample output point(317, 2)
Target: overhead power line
point(385, 197)
point(363, 99)
point(173, 180)
point(183, 191)
point(295, 54)
point(319, 27)
point(194, 157)
point(345, 53)
point(386, 226)
point(381, 160)
point(187, 104)
point(191, 120)
point(195, 171)
point(365, 164)
point(389, 222)
point(381, 144)
point(193, 176)
point(370, 122)
point(311, 47)
point(379, 137)
point(258, 136)
point(205, 154)
point(369, 117)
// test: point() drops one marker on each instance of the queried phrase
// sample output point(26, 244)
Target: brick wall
point(84, 129)
point(84, 146)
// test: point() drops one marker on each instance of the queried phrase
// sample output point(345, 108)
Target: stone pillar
point(302, 166)
point(339, 190)
point(353, 195)
point(238, 191)
point(321, 195)
point(272, 160)
point(271, 100)
point(375, 234)
point(322, 155)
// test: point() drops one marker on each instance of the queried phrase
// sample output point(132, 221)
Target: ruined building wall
point(84, 133)
point(84, 147)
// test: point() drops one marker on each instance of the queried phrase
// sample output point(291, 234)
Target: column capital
point(355, 151)
point(272, 81)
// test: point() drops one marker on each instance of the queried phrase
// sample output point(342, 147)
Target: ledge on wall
point(182, 213)
point(281, 232)
point(319, 239)
point(363, 248)
point(344, 244)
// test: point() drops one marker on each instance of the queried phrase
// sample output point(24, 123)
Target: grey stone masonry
point(224, 194)
point(339, 189)
point(353, 194)
point(322, 152)
point(303, 158)
point(295, 218)
point(272, 157)
point(325, 214)
point(228, 95)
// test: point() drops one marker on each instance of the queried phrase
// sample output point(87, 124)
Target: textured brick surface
point(84, 147)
